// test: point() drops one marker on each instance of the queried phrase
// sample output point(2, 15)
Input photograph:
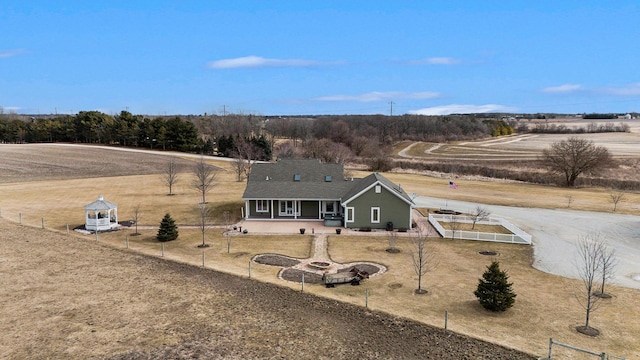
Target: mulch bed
point(276, 260)
point(295, 275)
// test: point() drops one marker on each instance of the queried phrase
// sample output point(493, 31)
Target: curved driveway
point(555, 233)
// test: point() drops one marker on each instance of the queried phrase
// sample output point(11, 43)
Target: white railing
point(517, 235)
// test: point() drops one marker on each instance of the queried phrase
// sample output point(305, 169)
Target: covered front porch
point(292, 209)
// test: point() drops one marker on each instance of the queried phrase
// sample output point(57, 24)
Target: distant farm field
point(148, 318)
point(527, 146)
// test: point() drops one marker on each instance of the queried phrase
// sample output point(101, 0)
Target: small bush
point(168, 230)
point(494, 291)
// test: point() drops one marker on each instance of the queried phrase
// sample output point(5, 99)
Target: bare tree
point(573, 157)
point(424, 258)
point(136, 218)
point(454, 225)
point(591, 271)
point(244, 156)
point(240, 166)
point(204, 217)
point(608, 262)
point(479, 214)
point(204, 176)
point(170, 174)
point(616, 197)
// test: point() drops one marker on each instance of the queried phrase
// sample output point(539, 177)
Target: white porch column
point(273, 209)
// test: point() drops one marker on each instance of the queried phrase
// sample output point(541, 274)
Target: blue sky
point(319, 57)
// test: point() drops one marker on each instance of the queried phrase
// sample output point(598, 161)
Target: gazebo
point(101, 215)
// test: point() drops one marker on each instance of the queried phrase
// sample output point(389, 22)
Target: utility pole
point(390, 108)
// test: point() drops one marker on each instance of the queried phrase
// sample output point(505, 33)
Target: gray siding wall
point(391, 209)
point(254, 214)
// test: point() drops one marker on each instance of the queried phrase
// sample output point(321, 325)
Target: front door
point(289, 208)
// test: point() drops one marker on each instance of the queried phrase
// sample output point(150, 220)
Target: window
point(378, 189)
point(329, 207)
point(350, 215)
point(327, 178)
point(296, 177)
point(288, 207)
point(262, 205)
point(375, 215)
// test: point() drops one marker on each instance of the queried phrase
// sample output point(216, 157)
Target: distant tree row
point(590, 128)
point(123, 129)
point(599, 116)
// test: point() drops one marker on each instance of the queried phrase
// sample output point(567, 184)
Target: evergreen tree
point(494, 292)
point(168, 230)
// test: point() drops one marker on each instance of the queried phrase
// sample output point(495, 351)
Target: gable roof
point(368, 182)
point(296, 179)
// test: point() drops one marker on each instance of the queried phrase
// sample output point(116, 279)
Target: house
point(311, 190)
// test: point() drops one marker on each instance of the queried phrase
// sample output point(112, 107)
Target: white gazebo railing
point(101, 215)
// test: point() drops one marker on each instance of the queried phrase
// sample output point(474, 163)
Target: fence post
point(162, 249)
point(43, 222)
point(366, 298)
point(126, 240)
point(446, 320)
point(202, 258)
point(96, 234)
point(67, 229)
point(302, 290)
point(249, 269)
point(550, 348)
point(20, 218)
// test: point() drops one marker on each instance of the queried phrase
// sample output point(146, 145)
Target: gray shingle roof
point(277, 180)
point(100, 204)
point(364, 183)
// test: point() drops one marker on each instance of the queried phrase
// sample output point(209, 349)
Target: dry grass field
point(545, 306)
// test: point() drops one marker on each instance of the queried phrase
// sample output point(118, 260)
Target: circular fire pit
point(319, 265)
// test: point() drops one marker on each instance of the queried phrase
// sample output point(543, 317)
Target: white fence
point(517, 235)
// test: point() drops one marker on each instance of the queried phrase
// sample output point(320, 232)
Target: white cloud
point(461, 109)
point(380, 96)
point(257, 61)
point(629, 90)
point(562, 88)
point(436, 61)
point(10, 53)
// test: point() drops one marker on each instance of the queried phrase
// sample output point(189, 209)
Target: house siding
point(391, 207)
point(259, 215)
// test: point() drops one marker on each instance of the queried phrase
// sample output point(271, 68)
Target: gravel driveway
point(556, 232)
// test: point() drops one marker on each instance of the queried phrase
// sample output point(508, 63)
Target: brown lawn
point(545, 306)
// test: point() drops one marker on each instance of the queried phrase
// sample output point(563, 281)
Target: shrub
point(168, 230)
point(494, 292)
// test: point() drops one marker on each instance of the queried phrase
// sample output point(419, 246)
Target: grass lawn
point(545, 305)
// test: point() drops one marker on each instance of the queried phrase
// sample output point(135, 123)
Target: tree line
point(94, 127)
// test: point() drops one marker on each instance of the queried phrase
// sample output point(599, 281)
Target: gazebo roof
point(101, 204)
